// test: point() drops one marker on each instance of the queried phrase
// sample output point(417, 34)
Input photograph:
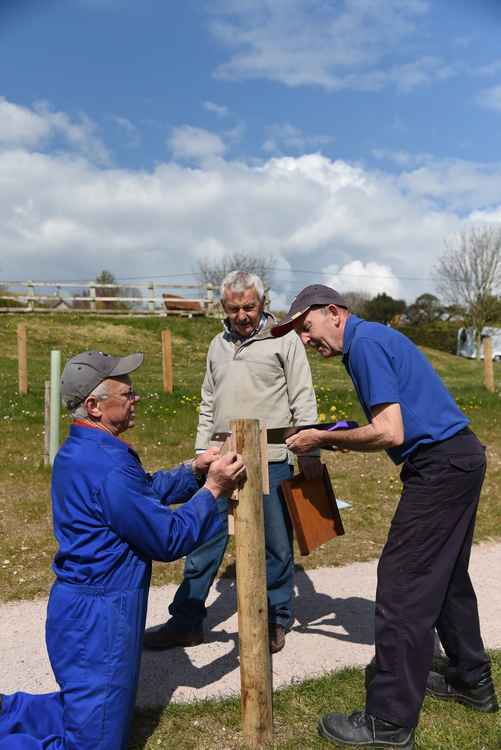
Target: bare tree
point(357, 302)
point(469, 273)
point(213, 271)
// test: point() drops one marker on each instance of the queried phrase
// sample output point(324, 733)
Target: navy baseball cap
point(86, 370)
point(315, 294)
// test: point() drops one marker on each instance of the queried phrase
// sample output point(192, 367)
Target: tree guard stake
point(255, 659)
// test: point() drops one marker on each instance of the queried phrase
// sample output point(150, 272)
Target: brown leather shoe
point(170, 635)
point(277, 637)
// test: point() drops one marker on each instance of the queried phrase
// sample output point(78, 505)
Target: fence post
point(210, 299)
point(255, 660)
point(31, 291)
point(92, 291)
point(167, 360)
point(46, 421)
point(151, 301)
point(22, 359)
point(55, 403)
point(488, 365)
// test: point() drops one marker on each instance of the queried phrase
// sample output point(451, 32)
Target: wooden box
point(313, 510)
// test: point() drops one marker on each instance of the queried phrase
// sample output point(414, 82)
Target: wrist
point(213, 488)
point(199, 475)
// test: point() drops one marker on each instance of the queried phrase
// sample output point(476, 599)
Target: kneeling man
point(110, 522)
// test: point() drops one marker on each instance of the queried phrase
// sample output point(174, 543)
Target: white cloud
point(197, 144)
point(357, 276)
point(284, 137)
point(456, 184)
point(217, 109)
point(62, 215)
point(401, 157)
point(21, 126)
point(310, 42)
point(491, 98)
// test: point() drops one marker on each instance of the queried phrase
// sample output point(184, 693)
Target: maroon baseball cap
point(315, 294)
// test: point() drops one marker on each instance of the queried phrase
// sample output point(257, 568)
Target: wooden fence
point(56, 296)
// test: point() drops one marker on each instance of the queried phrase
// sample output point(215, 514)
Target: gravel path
point(334, 610)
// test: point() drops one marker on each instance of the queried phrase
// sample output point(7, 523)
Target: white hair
point(240, 281)
point(100, 392)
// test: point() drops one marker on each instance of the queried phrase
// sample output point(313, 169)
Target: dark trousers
point(423, 579)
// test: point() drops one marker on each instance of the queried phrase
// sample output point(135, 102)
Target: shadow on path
point(162, 672)
point(313, 610)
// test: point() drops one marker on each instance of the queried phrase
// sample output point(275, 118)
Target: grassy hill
point(165, 431)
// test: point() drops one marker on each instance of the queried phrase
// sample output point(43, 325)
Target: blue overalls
point(110, 521)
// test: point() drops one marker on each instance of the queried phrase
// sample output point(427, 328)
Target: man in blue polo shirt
point(423, 579)
point(110, 522)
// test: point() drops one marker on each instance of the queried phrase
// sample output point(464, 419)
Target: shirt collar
point(232, 336)
point(349, 331)
point(82, 429)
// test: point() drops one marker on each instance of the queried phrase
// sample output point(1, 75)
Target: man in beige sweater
point(250, 375)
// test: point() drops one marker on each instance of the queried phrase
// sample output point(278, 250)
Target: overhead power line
point(153, 277)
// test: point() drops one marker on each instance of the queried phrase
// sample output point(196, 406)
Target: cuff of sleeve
point(199, 476)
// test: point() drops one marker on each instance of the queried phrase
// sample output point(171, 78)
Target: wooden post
point(167, 360)
point(92, 291)
point(22, 359)
point(151, 301)
point(255, 660)
point(488, 365)
point(210, 299)
point(55, 403)
point(31, 301)
point(46, 421)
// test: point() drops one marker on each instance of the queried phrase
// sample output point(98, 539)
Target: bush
point(441, 335)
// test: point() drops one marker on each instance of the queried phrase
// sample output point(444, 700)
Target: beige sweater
point(261, 378)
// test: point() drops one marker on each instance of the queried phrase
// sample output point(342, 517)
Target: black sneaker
point(170, 635)
point(363, 730)
point(480, 697)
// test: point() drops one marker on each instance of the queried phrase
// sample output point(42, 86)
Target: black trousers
point(423, 579)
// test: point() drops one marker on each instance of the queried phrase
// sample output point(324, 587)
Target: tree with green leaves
point(383, 309)
point(426, 309)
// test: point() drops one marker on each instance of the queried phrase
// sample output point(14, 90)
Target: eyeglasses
point(128, 395)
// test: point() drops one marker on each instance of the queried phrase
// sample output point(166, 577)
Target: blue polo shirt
point(387, 368)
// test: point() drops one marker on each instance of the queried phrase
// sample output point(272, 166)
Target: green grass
point(164, 436)
point(166, 429)
point(215, 725)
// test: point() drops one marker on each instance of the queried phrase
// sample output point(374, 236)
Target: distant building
point(467, 347)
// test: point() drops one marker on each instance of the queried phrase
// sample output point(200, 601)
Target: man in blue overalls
point(110, 522)
point(423, 579)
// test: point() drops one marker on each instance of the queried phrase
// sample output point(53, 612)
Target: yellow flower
point(321, 417)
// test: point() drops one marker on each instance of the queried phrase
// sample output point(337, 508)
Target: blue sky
point(348, 139)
